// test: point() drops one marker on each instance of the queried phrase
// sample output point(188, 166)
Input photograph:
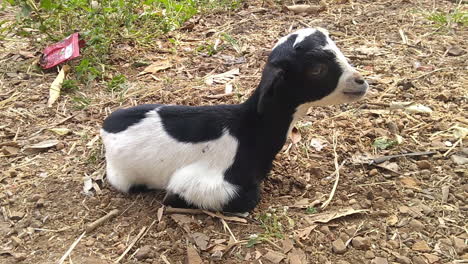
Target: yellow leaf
point(157, 66)
point(295, 135)
point(60, 131)
point(56, 86)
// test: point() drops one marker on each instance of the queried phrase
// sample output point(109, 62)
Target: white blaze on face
point(346, 82)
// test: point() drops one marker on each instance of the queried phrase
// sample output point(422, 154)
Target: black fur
point(121, 119)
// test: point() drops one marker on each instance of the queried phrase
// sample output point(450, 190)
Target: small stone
point(379, 260)
point(361, 243)
point(352, 201)
point(60, 146)
point(218, 254)
point(344, 237)
point(324, 229)
point(416, 225)
point(446, 241)
point(143, 253)
point(431, 258)
point(426, 209)
point(421, 246)
point(338, 246)
point(455, 51)
point(419, 260)
point(373, 172)
point(423, 164)
point(161, 226)
point(90, 242)
point(459, 160)
point(40, 203)
point(393, 244)
point(350, 230)
point(365, 204)
point(369, 254)
point(19, 256)
point(274, 257)
point(403, 259)
point(459, 245)
point(15, 216)
point(35, 198)
point(16, 241)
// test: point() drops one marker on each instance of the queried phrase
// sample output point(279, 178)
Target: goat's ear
point(271, 78)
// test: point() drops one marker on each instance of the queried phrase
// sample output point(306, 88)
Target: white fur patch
point(145, 154)
point(302, 34)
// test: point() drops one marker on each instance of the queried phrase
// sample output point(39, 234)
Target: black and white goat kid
point(215, 157)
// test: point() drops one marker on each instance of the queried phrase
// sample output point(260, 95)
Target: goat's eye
point(318, 70)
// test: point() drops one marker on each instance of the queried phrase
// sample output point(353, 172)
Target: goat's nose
point(358, 79)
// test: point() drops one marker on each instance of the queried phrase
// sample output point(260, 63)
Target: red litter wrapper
point(65, 50)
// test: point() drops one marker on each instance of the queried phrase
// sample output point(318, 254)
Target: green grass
point(105, 24)
point(274, 223)
point(446, 19)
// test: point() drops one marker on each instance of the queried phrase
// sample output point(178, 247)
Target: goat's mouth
point(358, 93)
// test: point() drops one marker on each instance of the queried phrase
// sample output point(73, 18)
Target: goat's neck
point(274, 124)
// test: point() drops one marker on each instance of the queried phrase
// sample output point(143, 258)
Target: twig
point(90, 227)
point(451, 148)
point(171, 210)
point(227, 218)
point(337, 171)
point(164, 258)
point(225, 225)
point(71, 249)
point(389, 157)
point(140, 234)
point(272, 244)
point(428, 73)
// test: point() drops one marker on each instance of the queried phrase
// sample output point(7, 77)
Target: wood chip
point(274, 257)
point(192, 256)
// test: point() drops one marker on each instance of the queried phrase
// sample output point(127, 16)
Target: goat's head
point(306, 68)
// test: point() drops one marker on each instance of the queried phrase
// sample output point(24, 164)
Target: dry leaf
point(60, 131)
point(295, 135)
point(304, 233)
point(287, 245)
point(390, 166)
point(192, 256)
point(156, 67)
point(317, 143)
point(222, 77)
point(274, 257)
point(43, 144)
point(87, 185)
point(409, 183)
point(421, 246)
point(201, 240)
point(392, 220)
point(182, 219)
point(410, 107)
point(56, 86)
point(160, 213)
point(328, 216)
point(9, 150)
point(311, 9)
point(228, 88)
point(297, 256)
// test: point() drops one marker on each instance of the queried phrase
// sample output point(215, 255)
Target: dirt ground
point(404, 210)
